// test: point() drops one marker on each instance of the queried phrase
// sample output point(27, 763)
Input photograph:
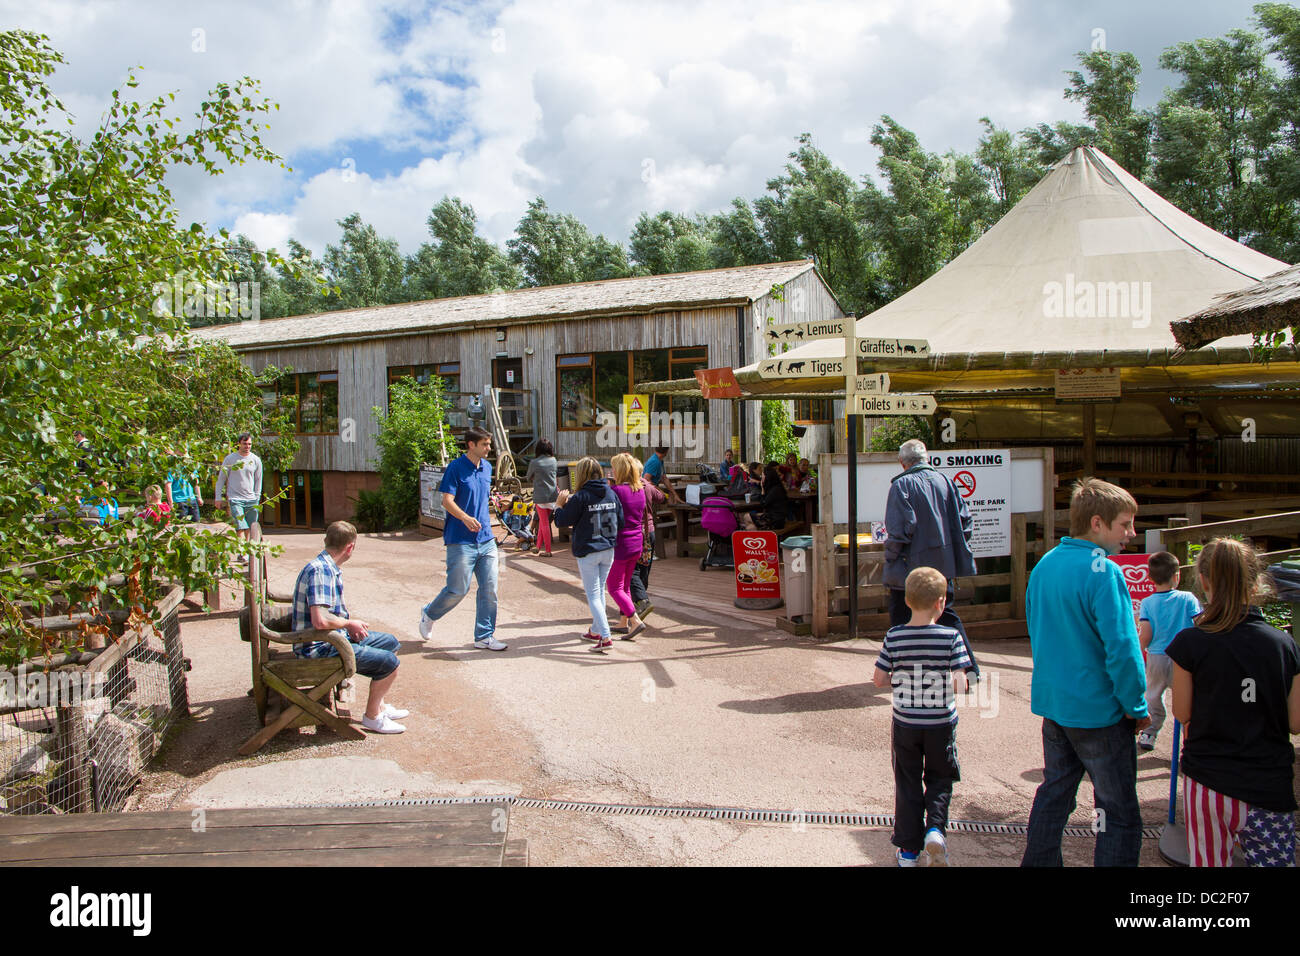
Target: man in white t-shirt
point(239, 488)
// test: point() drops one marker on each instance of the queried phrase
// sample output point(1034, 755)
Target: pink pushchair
point(719, 519)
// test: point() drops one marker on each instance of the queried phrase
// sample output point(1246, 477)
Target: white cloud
point(567, 99)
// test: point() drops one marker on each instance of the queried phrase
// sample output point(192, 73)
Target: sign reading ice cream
point(758, 566)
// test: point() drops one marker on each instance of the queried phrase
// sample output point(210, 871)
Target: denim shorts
point(376, 657)
point(244, 511)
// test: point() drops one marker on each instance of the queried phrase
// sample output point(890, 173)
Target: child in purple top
point(632, 493)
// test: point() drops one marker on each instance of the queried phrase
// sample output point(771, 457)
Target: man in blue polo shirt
point(471, 546)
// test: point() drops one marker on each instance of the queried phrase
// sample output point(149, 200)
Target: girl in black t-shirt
point(1235, 691)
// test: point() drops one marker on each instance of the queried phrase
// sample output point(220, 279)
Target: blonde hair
point(1231, 570)
point(585, 470)
point(1092, 496)
point(152, 493)
point(627, 470)
point(924, 587)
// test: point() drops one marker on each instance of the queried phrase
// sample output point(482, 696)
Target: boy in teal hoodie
point(1089, 684)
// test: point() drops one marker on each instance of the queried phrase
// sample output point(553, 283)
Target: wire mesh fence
point(76, 733)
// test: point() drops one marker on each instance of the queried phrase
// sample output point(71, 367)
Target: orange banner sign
point(717, 382)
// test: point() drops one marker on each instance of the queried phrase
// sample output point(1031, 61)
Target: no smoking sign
point(965, 483)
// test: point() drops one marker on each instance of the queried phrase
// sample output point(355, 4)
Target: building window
point(318, 401)
point(814, 411)
point(595, 382)
point(449, 372)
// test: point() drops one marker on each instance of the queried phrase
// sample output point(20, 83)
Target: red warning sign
point(965, 483)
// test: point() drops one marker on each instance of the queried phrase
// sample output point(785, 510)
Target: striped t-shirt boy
point(920, 661)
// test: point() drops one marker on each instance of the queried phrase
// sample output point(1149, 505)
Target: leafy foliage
point(890, 433)
point(87, 230)
point(414, 431)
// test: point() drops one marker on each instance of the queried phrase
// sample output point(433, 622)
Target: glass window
point(682, 364)
point(574, 383)
point(813, 411)
point(308, 404)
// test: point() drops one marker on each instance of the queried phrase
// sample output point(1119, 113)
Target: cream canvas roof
point(1087, 224)
point(1088, 269)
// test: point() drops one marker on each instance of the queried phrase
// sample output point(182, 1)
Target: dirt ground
point(696, 712)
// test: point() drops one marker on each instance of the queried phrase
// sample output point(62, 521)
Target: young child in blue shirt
point(925, 662)
point(1161, 616)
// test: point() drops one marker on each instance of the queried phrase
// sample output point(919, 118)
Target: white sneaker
point(382, 724)
point(901, 860)
point(394, 713)
point(490, 644)
point(426, 626)
point(936, 848)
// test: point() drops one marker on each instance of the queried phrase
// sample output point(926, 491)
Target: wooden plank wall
point(363, 373)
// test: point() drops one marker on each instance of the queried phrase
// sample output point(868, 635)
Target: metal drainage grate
point(815, 818)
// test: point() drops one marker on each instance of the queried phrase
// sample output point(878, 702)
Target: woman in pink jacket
point(636, 497)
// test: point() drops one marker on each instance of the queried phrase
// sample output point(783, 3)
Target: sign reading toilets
point(983, 478)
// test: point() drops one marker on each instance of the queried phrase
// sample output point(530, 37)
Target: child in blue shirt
point(1161, 617)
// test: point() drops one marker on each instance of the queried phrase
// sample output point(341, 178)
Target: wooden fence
point(994, 615)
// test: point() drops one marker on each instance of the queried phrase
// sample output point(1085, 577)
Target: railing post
point(823, 572)
point(1019, 565)
point(1178, 548)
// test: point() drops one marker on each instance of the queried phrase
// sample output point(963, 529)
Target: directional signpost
point(863, 395)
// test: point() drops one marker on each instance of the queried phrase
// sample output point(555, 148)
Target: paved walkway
point(702, 711)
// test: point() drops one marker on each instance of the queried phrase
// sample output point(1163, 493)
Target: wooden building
point(562, 355)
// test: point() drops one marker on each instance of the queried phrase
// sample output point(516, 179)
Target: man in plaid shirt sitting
point(318, 603)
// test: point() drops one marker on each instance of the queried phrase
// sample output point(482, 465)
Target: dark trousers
point(925, 768)
point(1109, 756)
point(641, 578)
point(900, 613)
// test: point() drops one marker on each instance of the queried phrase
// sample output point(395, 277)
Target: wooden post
point(1019, 573)
point(823, 572)
point(73, 749)
point(1089, 440)
point(1179, 550)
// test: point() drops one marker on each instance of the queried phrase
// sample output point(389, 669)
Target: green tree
point(365, 268)
point(1107, 92)
point(1215, 132)
point(1008, 165)
point(413, 431)
point(459, 261)
point(549, 247)
point(667, 242)
point(88, 232)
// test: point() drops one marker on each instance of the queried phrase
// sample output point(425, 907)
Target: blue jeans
point(190, 506)
point(462, 561)
point(1109, 755)
point(595, 572)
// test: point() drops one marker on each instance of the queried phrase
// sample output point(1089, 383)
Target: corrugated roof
point(642, 294)
point(1270, 305)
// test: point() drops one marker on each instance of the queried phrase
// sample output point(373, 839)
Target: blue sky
point(605, 109)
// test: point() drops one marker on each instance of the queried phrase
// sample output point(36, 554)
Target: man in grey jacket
point(928, 526)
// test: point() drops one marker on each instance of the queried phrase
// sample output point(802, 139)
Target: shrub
point(369, 514)
point(414, 431)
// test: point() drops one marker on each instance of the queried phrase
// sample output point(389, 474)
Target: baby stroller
point(517, 518)
point(719, 520)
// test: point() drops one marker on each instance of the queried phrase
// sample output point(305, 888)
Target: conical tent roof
point(1089, 260)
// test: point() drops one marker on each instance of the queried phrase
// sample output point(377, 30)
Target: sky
point(604, 109)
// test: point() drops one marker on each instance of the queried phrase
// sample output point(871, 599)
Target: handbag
point(647, 533)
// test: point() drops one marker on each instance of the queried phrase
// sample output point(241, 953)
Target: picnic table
point(684, 513)
point(436, 835)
